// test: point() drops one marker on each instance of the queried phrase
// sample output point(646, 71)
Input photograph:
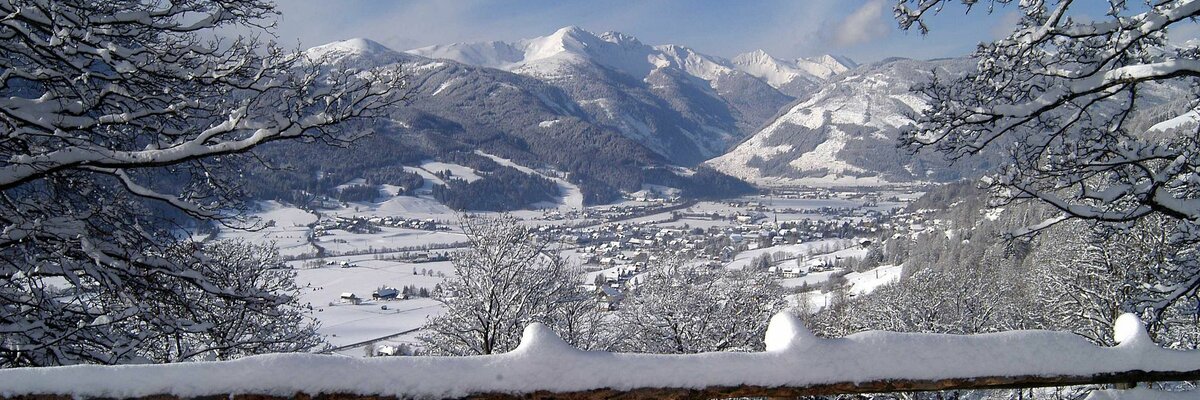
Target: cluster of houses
point(360, 224)
point(382, 293)
point(610, 213)
point(626, 243)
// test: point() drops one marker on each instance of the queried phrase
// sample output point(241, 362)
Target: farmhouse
point(385, 293)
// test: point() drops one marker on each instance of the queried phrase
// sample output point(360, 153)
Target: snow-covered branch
point(1092, 114)
point(110, 111)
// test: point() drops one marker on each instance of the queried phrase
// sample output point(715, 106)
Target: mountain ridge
point(685, 105)
point(845, 133)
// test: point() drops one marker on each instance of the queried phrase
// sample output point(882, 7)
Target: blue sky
point(861, 29)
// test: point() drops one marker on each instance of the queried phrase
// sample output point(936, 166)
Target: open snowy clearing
point(869, 280)
point(828, 246)
point(456, 171)
point(340, 241)
point(285, 226)
point(811, 279)
point(396, 206)
point(857, 283)
point(343, 323)
point(429, 177)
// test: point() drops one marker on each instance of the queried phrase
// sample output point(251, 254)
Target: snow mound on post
point(539, 340)
point(786, 332)
point(1129, 331)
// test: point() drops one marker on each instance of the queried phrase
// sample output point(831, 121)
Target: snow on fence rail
point(795, 363)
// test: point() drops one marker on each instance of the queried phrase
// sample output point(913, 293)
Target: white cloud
point(862, 25)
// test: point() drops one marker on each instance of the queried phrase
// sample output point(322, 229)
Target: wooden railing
point(1125, 379)
point(795, 364)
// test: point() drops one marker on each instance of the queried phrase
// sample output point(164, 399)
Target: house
point(607, 297)
point(385, 293)
point(792, 272)
point(351, 298)
point(393, 350)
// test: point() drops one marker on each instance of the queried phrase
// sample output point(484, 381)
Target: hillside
point(683, 105)
point(455, 111)
point(845, 133)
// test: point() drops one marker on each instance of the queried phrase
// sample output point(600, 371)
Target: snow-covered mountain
point(682, 104)
point(606, 107)
point(357, 51)
point(846, 132)
point(458, 110)
point(555, 54)
point(796, 77)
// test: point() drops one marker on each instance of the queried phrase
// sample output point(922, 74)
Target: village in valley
point(372, 272)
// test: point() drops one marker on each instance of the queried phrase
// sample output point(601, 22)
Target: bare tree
point(682, 306)
point(230, 326)
point(1082, 283)
point(1077, 105)
point(110, 113)
point(506, 280)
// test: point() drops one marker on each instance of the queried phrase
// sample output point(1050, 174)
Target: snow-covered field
point(408, 207)
point(285, 226)
point(344, 324)
point(857, 283)
point(340, 241)
point(456, 171)
point(824, 247)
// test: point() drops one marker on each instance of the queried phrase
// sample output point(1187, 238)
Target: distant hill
point(609, 114)
point(845, 133)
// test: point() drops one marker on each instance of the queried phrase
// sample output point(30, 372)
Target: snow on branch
point(795, 359)
point(1092, 116)
point(119, 118)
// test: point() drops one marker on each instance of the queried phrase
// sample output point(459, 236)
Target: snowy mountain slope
point(845, 132)
point(458, 109)
point(796, 78)
point(356, 52)
point(684, 105)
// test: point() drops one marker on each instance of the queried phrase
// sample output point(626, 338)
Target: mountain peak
point(571, 31)
point(756, 57)
point(758, 53)
point(355, 45)
point(837, 63)
point(619, 38)
point(362, 51)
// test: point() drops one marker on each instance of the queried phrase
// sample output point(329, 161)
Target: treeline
point(966, 274)
point(505, 189)
point(359, 193)
point(705, 183)
point(300, 173)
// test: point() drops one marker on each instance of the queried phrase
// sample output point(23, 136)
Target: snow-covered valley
point(335, 255)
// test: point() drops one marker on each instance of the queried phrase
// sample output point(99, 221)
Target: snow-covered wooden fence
point(795, 363)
